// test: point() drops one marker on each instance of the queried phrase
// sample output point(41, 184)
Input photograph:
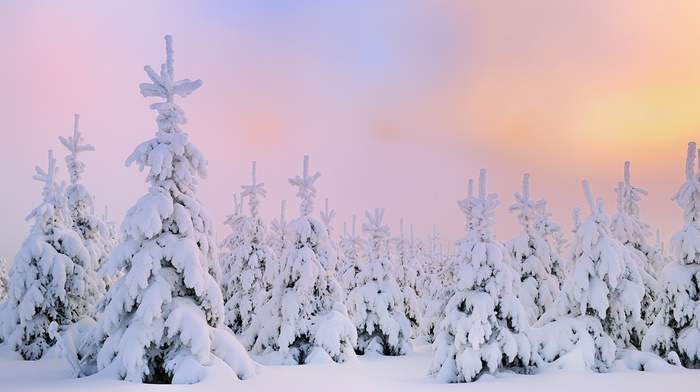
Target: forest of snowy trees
point(159, 300)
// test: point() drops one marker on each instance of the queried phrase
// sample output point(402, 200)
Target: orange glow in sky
point(398, 103)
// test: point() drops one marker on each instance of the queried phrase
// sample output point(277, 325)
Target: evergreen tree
point(161, 318)
point(4, 283)
point(632, 232)
point(91, 229)
point(408, 273)
point(47, 278)
point(327, 216)
point(375, 304)
point(276, 238)
point(484, 326)
point(305, 317)
point(439, 287)
point(352, 247)
point(531, 256)
point(551, 232)
point(599, 304)
point(233, 240)
point(675, 333)
point(245, 255)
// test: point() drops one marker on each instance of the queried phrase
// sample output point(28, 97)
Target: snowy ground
point(367, 374)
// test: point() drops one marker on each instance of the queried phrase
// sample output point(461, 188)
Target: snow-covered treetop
point(625, 224)
point(545, 226)
point(688, 196)
point(576, 217)
point(597, 207)
point(75, 146)
point(278, 226)
point(630, 194)
point(48, 177)
point(164, 84)
point(252, 191)
point(378, 233)
point(174, 161)
point(479, 210)
point(327, 216)
point(237, 215)
point(44, 214)
point(307, 189)
point(466, 207)
point(529, 210)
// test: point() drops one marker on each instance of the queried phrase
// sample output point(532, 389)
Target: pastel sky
point(397, 102)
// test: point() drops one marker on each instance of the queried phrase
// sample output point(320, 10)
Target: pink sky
point(398, 103)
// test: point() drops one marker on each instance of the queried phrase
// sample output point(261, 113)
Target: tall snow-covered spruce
point(485, 324)
point(376, 303)
point(91, 229)
point(245, 255)
point(598, 308)
point(675, 333)
point(353, 248)
point(305, 320)
point(47, 278)
point(162, 317)
point(631, 231)
point(531, 256)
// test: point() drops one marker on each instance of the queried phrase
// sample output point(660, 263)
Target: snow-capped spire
point(588, 195)
point(48, 177)
point(482, 184)
point(307, 190)
point(526, 186)
point(688, 196)
point(576, 217)
point(252, 191)
point(74, 146)
point(620, 190)
point(237, 205)
point(327, 216)
point(164, 85)
point(530, 210)
point(690, 162)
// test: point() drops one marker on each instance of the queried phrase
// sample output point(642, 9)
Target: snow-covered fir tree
point(47, 278)
point(4, 282)
point(375, 305)
point(598, 308)
point(162, 318)
point(93, 230)
point(409, 272)
point(675, 333)
point(531, 256)
point(276, 239)
point(327, 216)
point(485, 324)
point(233, 240)
point(438, 287)
point(244, 256)
point(305, 319)
point(552, 233)
point(631, 231)
point(353, 248)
